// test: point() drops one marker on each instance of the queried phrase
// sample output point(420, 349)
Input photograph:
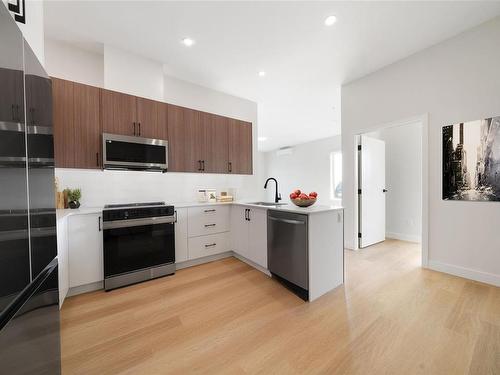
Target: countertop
point(63, 213)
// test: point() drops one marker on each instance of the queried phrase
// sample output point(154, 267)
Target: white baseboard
point(85, 288)
point(252, 264)
point(198, 261)
point(467, 273)
point(404, 237)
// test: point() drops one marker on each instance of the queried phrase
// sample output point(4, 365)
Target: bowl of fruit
point(301, 199)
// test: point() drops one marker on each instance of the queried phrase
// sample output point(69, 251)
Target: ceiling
point(304, 60)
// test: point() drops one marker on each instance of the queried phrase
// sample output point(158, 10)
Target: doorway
point(390, 184)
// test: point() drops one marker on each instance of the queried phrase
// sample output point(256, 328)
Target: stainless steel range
point(138, 243)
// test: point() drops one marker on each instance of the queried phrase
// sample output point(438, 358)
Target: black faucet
point(277, 196)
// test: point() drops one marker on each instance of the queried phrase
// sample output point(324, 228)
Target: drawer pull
point(209, 225)
point(212, 210)
point(211, 245)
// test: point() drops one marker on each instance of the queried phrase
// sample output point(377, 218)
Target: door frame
point(424, 120)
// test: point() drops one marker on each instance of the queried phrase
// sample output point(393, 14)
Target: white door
point(181, 235)
point(257, 236)
point(85, 249)
point(239, 230)
point(372, 185)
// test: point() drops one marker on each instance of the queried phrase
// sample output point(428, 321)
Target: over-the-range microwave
point(136, 153)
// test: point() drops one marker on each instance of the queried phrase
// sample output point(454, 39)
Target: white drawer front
point(208, 220)
point(207, 245)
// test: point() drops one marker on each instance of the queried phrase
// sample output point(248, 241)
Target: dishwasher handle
point(288, 221)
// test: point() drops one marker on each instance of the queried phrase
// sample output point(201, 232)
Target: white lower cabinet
point(203, 246)
point(85, 249)
point(249, 233)
point(181, 236)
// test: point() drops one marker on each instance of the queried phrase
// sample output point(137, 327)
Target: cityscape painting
point(471, 160)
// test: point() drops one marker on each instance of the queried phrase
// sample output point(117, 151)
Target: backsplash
point(105, 187)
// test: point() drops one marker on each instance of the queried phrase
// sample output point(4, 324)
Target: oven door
point(132, 245)
point(125, 152)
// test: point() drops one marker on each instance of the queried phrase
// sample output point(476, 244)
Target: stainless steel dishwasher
point(287, 250)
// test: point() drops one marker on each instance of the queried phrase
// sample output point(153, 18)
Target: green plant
point(74, 195)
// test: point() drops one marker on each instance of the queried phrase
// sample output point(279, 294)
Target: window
point(336, 175)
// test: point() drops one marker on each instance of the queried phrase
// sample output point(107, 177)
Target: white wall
point(403, 176)
point(135, 75)
point(33, 30)
point(454, 81)
point(63, 60)
point(306, 168)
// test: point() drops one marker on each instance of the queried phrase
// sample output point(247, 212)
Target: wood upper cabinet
point(216, 158)
point(176, 138)
point(147, 118)
point(64, 129)
point(119, 113)
point(87, 123)
point(194, 143)
point(197, 141)
point(77, 125)
point(240, 147)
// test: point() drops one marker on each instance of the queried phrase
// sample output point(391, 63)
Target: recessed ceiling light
point(262, 139)
point(262, 73)
point(188, 42)
point(330, 20)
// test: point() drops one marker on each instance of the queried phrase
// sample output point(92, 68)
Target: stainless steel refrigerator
point(29, 295)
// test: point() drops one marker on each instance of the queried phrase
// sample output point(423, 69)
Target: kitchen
point(183, 187)
point(128, 172)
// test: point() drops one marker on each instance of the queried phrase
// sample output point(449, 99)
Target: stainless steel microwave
point(136, 153)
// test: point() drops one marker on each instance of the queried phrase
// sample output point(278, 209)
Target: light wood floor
point(391, 317)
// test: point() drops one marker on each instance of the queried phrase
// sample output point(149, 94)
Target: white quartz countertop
point(62, 213)
point(290, 207)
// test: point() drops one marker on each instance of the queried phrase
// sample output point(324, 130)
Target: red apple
point(297, 191)
point(293, 196)
point(303, 196)
point(313, 195)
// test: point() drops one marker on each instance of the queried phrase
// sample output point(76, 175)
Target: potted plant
point(74, 198)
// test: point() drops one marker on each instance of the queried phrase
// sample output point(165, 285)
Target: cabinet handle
point(99, 220)
point(175, 216)
point(211, 245)
point(230, 167)
point(97, 159)
point(13, 112)
point(211, 210)
point(134, 128)
point(203, 165)
point(249, 219)
point(139, 128)
point(210, 225)
point(246, 214)
point(18, 113)
point(199, 165)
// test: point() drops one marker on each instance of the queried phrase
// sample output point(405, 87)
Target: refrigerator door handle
point(11, 310)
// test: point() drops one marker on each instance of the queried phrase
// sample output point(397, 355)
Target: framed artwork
point(471, 160)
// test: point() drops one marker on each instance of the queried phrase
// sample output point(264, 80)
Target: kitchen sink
point(268, 204)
